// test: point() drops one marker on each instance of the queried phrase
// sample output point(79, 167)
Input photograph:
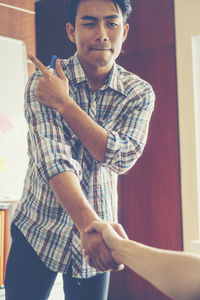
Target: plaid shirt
point(123, 106)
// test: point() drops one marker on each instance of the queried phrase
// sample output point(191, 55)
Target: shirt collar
point(77, 73)
point(113, 80)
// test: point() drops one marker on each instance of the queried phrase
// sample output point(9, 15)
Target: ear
point(125, 33)
point(70, 32)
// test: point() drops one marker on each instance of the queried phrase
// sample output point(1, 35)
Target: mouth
point(99, 49)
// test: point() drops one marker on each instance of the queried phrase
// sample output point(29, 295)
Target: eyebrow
point(111, 17)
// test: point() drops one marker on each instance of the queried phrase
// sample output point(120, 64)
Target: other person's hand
point(112, 235)
point(97, 253)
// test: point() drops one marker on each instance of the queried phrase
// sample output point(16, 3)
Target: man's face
point(99, 33)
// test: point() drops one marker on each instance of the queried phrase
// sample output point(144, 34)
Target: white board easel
point(13, 128)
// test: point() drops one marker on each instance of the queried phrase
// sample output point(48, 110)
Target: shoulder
point(33, 81)
point(66, 64)
point(69, 66)
point(139, 93)
point(132, 83)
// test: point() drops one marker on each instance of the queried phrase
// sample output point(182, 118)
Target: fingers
point(120, 230)
point(94, 259)
point(95, 226)
point(99, 254)
point(46, 73)
point(102, 226)
point(102, 265)
point(101, 258)
point(59, 70)
point(105, 262)
point(39, 65)
point(106, 258)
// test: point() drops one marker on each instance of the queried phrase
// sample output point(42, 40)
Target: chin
point(102, 62)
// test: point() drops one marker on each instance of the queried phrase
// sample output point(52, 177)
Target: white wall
point(187, 23)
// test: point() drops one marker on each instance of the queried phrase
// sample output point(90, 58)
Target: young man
point(88, 123)
point(175, 273)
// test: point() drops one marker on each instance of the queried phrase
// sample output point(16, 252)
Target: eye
point(112, 24)
point(90, 25)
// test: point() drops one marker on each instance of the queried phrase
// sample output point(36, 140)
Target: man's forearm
point(92, 135)
point(68, 192)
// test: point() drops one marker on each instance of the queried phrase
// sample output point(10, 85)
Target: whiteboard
point(13, 128)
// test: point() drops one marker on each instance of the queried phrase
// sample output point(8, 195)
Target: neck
point(96, 80)
point(96, 74)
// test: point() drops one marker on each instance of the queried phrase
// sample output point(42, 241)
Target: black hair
point(72, 6)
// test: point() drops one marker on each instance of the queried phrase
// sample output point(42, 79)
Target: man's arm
point(92, 135)
point(68, 192)
point(118, 149)
point(57, 168)
point(53, 92)
point(47, 142)
point(177, 274)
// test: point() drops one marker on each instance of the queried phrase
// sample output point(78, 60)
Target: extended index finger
point(39, 65)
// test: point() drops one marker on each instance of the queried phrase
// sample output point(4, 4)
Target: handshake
point(175, 273)
point(103, 250)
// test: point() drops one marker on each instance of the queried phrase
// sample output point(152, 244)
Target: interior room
point(159, 198)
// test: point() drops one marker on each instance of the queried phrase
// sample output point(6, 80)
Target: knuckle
point(119, 226)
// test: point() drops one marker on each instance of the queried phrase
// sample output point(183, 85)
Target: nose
point(101, 33)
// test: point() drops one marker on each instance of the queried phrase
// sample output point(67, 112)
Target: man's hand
point(97, 253)
point(52, 91)
point(112, 234)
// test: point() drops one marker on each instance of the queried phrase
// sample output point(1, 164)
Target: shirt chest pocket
point(111, 117)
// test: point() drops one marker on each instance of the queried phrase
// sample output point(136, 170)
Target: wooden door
point(150, 200)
